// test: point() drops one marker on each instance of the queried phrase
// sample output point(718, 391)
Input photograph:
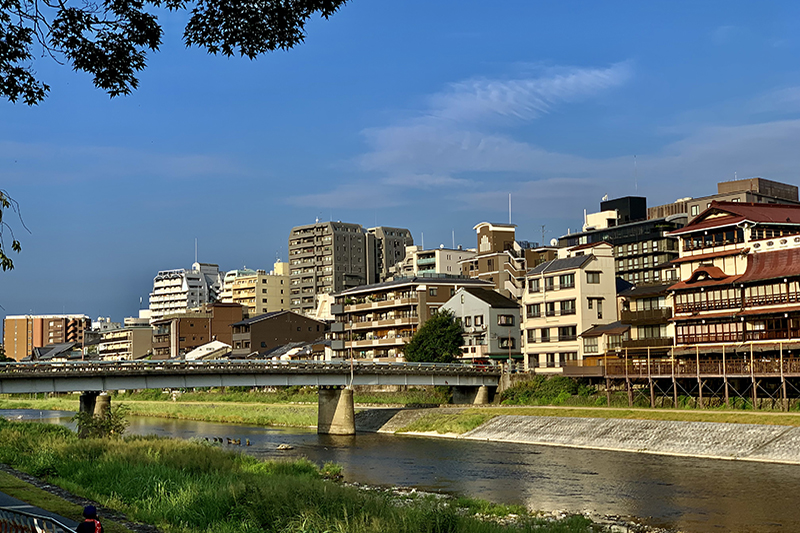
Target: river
point(687, 494)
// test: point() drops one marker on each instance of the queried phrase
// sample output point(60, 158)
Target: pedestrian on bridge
point(90, 524)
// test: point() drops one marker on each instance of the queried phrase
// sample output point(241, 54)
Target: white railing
point(13, 521)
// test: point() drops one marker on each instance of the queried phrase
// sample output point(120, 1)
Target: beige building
point(419, 262)
point(258, 291)
point(375, 321)
point(177, 291)
point(564, 298)
point(23, 333)
point(125, 344)
point(748, 190)
point(502, 260)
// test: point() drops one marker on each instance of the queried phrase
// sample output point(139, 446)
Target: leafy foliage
point(7, 203)
point(110, 40)
point(545, 390)
point(111, 424)
point(439, 340)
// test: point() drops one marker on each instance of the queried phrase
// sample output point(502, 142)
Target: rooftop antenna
point(543, 232)
point(635, 176)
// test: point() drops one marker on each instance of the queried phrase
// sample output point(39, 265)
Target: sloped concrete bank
point(745, 442)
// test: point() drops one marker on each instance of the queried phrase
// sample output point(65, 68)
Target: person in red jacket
point(91, 524)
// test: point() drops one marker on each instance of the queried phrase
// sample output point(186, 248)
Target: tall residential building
point(566, 297)
point(748, 190)
point(258, 291)
point(419, 262)
point(125, 344)
point(502, 260)
point(23, 333)
point(385, 248)
point(375, 321)
point(329, 257)
point(177, 291)
point(643, 248)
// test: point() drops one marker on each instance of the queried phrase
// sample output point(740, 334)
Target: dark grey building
point(328, 257)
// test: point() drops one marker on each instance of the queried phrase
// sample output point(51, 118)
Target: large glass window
point(590, 345)
point(566, 281)
point(594, 277)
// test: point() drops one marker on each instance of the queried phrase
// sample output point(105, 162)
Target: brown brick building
point(174, 336)
point(23, 333)
point(265, 332)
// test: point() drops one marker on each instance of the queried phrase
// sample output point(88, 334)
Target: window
point(545, 335)
point(550, 309)
point(594, 277)
point(467, 321)
point(695, 210)
point(505, 320)
point(452, 292)
point(534, 310)
point(263, 344)
point(567, 333)
point(590, 345)
point(507, 343)
point(590, 302)
point(479, 320)
point(533, 285)
point(432, 291)
point(566, 281)
point(599, 308)
point(531, 336)
point(549, 283)
point(568, 307)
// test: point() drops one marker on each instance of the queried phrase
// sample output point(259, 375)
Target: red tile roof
point(782, 309)
point(705, 276)
point(759, 213)
point(772, 265)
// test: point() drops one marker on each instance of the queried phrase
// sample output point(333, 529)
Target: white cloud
point(525, 98)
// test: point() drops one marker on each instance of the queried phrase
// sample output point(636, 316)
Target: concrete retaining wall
point(780, 444)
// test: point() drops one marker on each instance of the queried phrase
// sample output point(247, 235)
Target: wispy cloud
point(524, 98)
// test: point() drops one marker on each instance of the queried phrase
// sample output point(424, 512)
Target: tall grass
point(187, 487)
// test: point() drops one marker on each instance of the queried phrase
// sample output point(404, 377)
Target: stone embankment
point(747, 442)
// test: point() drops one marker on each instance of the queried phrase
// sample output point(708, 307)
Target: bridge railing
point(15, 521)
point(229, 366)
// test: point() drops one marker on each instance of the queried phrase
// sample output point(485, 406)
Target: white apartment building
point(177, 291)
point(564, 298)
point(423, 263)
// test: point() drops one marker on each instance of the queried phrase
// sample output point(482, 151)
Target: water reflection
point(693, 495)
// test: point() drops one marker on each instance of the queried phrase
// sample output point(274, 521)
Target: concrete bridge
point(335, 380)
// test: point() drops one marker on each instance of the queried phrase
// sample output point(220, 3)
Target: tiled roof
point(705, 276)
point(772, 265)
point(493, 298)
point(741, 211)
point(615, 328)
point(641, 291)
point(556, 265)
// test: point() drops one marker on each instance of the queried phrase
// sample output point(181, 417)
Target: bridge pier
point(88, 402)
point(336, 413)
point(102, 404)
point(471, 395)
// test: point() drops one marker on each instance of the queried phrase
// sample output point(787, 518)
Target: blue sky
point(406, 113)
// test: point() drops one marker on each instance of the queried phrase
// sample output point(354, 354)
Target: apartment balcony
point(654, 342)
point(378, 304)
point(713, 305)
point(372, 324)
point(337, 309)
point(648, 316)
point(426, 261)
point(387, 341)
point(337, 327)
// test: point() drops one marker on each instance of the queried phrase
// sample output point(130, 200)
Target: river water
point(692, 495)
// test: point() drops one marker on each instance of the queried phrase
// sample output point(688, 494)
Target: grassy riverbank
point(188, 487)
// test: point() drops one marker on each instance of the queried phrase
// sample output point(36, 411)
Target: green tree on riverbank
point(439, 340)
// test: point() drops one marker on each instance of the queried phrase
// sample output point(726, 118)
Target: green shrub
point(544, 390)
